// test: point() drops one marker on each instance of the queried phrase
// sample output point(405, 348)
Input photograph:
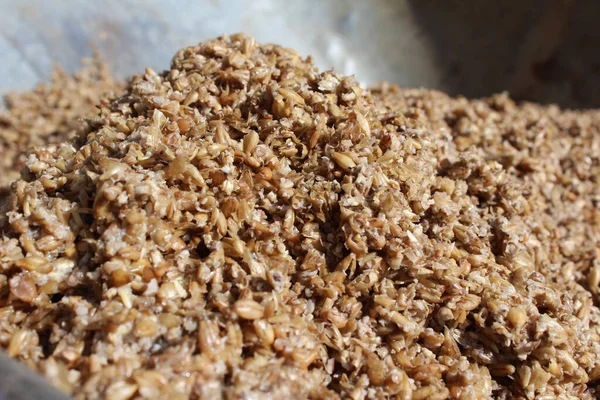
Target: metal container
point(541, 50)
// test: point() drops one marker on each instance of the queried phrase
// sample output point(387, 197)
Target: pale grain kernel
point(208, 337)
point(291, 95)
point(250, 141)
point(169, 320)
point(248, 309)
point(121, 391)
point(264, 331)
point(344, 161)
point(192, 97)
point(21, 341)
point(146, 327)
point(34, 263)
point(362, 123)
point(517, 317)
point(23, 288)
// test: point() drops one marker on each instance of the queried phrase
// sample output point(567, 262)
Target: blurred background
point(540, 50)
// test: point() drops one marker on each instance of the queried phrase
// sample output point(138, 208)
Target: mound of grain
point(245, 226)
point(551, 158)
point(50, 113)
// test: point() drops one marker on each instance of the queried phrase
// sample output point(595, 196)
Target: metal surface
point(18, 383)
point(542, 50)
point(371, 39)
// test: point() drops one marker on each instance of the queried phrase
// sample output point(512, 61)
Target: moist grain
point(50, 113)
point(245, 226)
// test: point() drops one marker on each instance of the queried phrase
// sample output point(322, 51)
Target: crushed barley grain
point(50, 113)
point(243, 225)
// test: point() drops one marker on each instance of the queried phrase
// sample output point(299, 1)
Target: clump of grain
point(533, 171)
point(243, 225)
point(50, 113)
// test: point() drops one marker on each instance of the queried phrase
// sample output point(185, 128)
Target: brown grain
point(50, 113)
point(244, 226)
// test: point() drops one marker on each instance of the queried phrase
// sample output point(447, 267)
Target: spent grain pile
point(50, 113)
point(244, 226)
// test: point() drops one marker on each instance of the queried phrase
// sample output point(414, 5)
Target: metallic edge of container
point(14, 377)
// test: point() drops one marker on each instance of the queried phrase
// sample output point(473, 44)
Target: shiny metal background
point(543, 50)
